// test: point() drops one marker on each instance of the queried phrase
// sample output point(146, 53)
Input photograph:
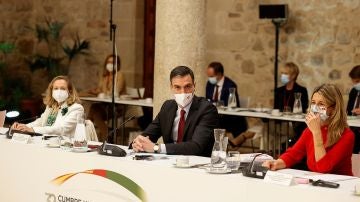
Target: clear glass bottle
point(80, 143)
point(218, 155)
point(297, 109)
point(232, 99)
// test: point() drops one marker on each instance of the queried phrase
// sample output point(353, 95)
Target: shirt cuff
point(162, 149)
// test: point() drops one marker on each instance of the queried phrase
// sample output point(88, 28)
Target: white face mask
point(316, 109)
point(357, 86)
point(183, 99)
point(212, 80)
point(284, 79)
point(60, 95)
point(109, 67)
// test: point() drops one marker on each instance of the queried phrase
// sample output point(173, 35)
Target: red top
point(337, 159)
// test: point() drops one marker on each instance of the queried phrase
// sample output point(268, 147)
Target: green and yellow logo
point(113, 176)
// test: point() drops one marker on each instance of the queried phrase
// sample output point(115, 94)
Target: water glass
point(233, 160)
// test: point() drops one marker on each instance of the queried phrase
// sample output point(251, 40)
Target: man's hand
point(142, 144)
point(356, 111)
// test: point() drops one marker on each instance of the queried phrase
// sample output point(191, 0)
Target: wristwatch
point(156, 148)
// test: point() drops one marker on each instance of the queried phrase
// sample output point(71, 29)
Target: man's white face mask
point(183, 99)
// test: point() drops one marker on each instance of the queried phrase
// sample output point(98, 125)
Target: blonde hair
point(294, 69)
point(73, 96)
point(337, 120)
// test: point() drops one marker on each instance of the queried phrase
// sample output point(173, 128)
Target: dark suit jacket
point(281, 95)
point(228, 83)
point(233, 124)
point(352, 98)
point(198, 133)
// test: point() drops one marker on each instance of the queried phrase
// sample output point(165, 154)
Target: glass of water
point(233, 160)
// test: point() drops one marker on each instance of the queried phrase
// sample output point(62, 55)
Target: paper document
point(316, 176)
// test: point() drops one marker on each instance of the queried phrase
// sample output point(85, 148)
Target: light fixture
point(12, 114)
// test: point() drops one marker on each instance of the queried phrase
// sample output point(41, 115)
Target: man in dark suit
point(217, 89)
point(186, 123)
point(353, 105)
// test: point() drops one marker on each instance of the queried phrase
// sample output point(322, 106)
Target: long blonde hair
point(73, 96)
point(337, 119)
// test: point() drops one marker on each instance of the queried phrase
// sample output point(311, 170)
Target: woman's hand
point(274, 164)
point(314, 123)
point(22, 127)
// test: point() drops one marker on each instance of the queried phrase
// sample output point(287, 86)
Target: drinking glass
point(287, 111)
point(233, 160)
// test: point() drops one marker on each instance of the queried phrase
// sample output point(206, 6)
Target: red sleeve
point(337, 153)
point(295, 154)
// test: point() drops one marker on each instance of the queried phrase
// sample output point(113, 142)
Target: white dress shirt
point(220, 86)
point(176, 126)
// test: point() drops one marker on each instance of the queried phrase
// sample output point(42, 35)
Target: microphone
point(255, 170)
point(112, 149)
point(11, 131)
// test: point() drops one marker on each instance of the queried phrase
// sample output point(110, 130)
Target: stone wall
point(320, 36)
point(88, 18)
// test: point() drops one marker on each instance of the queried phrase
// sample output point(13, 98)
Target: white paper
point(20, 138)
point(3, 130)
point(279, 178)
point(316, 176)
point(330, 177)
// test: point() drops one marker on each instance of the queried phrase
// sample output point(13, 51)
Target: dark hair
point(218, 67)
point(181, 71)
point(118, 61)
point(355, 72)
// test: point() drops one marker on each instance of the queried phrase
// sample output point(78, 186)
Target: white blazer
point(63, 125)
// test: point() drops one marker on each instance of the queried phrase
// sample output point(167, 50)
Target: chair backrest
point(2, 118)
point(355, 160)
point(244, 102)
point(90, 131)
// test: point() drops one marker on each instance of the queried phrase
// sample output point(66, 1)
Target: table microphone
point(255, 171)
point(112, 149)
point(11, 131)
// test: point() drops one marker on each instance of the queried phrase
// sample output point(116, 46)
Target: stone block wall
point(322, 37)
point(88, 18)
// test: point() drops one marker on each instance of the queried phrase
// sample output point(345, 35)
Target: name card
point(279, 178)
point(20, 138)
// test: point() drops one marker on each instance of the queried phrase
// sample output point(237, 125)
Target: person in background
point(98, 111)
point(285, 96)
point(185, 123)
point(353, 105)
point(327, 141)
point(217, 90)
point(62, 110)
point(105, 82)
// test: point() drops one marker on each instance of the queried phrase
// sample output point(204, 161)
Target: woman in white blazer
point(61, 113)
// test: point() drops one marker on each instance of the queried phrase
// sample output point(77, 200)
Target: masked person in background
point(218, 90)
point(327, 141)
point(62, 109)
point(353, 105)
point(98, 111)
point(185, 123)
point(285, 96)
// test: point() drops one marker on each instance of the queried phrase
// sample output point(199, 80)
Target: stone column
point(180, 40)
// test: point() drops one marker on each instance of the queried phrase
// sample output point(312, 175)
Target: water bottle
point(80, 143)
point(232, 99)
point(297, 109)
point(218, 155)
